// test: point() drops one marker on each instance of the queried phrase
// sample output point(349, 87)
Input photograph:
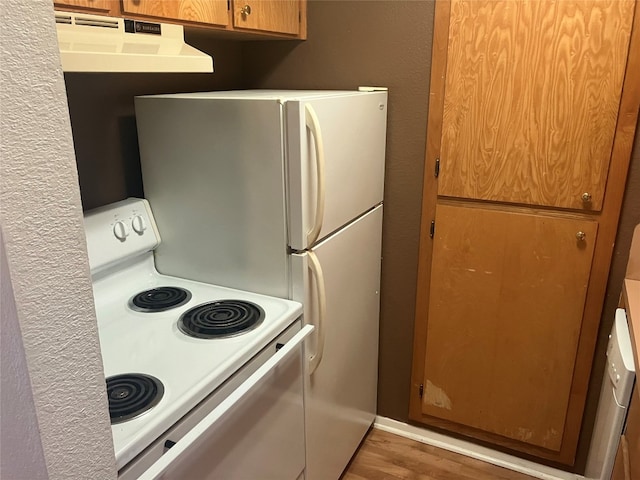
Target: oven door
point(256, 432)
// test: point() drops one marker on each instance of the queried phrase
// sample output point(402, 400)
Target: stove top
point(142, 317)
point(152, 343)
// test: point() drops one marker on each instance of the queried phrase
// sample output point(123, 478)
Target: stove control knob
point(138, 224)
point(121, 231)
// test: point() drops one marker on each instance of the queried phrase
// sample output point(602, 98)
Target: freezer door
point(340, 395)
point(335, 157)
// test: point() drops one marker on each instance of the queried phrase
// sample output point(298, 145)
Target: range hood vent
point(93, 43)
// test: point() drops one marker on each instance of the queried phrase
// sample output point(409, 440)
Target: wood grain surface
point(508, 293)
point(384, 456)
point(429, 197)
point(532, 95)
point(268, 15)
point(103, 5)
point(607, 219)
point(200, 11)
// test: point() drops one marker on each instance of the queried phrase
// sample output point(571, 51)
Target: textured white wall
point(41, 219)
point(21, 455)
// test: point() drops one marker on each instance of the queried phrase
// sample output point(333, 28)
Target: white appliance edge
point(120, 239)
point(187, 458)
point(340, 401)
point(243, 166)
point(615, 396)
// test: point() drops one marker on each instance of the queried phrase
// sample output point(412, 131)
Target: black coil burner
point(223, 318)
point(159, 299)
point(131, 394)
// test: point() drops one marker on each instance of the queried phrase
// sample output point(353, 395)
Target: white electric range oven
point(202, 381)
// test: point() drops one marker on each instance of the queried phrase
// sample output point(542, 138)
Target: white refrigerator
point(280, 193)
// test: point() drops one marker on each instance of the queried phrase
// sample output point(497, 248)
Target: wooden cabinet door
point(531, 99)
point(199, 11)
point(99, 5)
point(280, 16)
point(507, 298)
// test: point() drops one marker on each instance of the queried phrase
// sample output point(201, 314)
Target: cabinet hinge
point(421, 390)
point(228, 4)
point(432, 228)
point(437, 168)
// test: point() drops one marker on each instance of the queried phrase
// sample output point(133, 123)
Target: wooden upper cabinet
point(278, 16)
point(508, 292)
point(250, 18)
point(531, 99)
point(98, 5)
point(213, 12)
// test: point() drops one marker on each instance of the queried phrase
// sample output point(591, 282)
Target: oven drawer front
point(256, 432)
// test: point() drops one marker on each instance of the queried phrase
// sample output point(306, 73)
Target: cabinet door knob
point(246, 10)
point(581, 236)
point(586, 197)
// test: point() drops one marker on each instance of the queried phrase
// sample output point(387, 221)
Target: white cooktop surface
point(151, 343)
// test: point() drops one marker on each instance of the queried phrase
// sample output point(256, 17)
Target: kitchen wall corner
point(21, 454)
point(46, 276)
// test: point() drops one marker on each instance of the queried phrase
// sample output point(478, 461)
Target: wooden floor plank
point(384, 456)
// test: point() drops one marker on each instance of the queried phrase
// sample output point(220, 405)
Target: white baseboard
point(474, 451)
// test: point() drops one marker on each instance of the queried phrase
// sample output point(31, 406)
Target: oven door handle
point(313, 124)
point(182, 446)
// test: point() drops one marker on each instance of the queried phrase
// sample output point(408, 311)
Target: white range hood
point(92, 43)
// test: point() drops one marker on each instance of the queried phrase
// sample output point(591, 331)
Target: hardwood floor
point(385, 456)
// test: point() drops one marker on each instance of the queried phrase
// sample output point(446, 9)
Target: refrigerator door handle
point(312, 123)
point(316, 270)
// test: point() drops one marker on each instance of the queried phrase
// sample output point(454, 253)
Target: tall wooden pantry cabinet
point(533, 109)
